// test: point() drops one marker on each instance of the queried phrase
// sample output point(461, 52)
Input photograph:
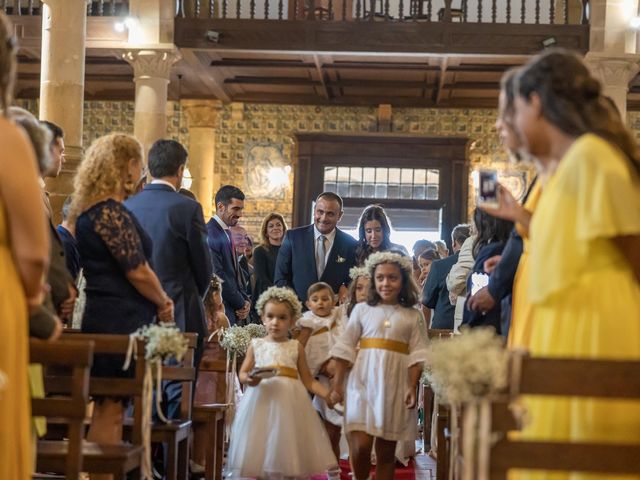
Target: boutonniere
point(340, 259)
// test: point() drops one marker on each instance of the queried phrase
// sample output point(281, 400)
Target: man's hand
point(66, 307)
point(482, 301)
point(165, 312)
point(343, 294)
point(243, 313)
point(490, 264)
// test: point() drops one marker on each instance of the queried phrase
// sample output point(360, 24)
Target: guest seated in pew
point(122, 293)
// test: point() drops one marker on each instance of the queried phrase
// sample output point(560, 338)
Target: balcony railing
point(532, 12)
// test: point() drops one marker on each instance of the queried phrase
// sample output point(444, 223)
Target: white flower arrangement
point(256, 330)
point(467, 366)
point(378, 258)
point(163, 341)
point(280, 295)
point(235, 340)
point(357, 272)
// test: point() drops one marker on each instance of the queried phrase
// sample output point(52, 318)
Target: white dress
point(324, 332)
point(276, 432)
point(378, 379)
point(329, 414)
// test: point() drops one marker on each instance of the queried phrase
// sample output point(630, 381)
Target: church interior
point(396, 103)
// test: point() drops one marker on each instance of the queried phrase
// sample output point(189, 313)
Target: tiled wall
point(276, 124)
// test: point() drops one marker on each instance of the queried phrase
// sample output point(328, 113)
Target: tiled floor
point(425, 467)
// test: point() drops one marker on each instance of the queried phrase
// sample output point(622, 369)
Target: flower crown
point(378, 258)
point(281, 295)
point(357, 272)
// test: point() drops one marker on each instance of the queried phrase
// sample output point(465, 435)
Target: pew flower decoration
point(236, 339)
point(163, 341)
point(256, 331)
point(467, 367)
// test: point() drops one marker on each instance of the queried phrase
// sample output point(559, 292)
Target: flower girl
point(381, 387)
point(276, 433)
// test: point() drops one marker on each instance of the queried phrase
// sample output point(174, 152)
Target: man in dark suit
point(317, 253)
point(175, 224)
point(435, 294)
point(229, 208)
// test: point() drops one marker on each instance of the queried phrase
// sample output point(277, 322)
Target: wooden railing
point(532, 12)
point(95, 8)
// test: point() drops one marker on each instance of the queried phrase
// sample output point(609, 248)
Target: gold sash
point(285, 371)
point(324, 329)
point(384, 344)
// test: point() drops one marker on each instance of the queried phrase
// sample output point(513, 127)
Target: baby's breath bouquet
point(237, 339)
point(163, 341)
point(256, 330)
point(467, 366)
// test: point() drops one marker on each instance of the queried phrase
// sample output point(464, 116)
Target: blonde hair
point(264, 239)
point(8, 51)
point(103, 171)
point(280, 295)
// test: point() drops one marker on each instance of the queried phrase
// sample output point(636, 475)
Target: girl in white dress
point(276, 433)
point(381, 388)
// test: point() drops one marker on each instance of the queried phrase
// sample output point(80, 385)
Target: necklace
point(387, 317)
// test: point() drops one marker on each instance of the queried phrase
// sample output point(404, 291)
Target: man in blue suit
point(180, 256)
point(317, 253)
point(229, 208)
point(435, 294)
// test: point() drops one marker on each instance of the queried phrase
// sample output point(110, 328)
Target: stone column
point(202, 120)
point(64, 26)
point(151, 69)
point(614, 73)
point(610, 29)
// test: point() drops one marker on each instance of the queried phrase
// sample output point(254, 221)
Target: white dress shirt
point(163, 182)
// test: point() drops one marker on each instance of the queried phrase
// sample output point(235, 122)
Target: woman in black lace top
point(122, 291)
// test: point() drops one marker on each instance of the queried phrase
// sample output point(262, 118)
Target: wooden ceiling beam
point(257, 63)
point(321, 75)
point(211, 79)
point(360, 83)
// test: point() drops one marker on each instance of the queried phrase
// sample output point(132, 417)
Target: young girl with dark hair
point(381, 387)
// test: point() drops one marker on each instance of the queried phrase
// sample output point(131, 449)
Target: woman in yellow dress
point(24, 254)
point(584, 265)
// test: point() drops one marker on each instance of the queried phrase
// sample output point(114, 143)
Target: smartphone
point(487, 188)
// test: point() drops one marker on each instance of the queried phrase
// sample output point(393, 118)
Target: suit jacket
point(180, 256)
point(233, 293)
point(296, 263)
point(435, 294)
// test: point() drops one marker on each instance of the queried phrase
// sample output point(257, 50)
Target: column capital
point(201, 113)
point(151, 63)
point(613, 71)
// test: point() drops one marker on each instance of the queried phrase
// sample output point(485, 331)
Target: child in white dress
point(276, 433)
point(381, 387)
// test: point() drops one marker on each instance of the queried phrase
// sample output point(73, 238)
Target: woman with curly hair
point(24, 257)
point(122, 293)
point(374, 234)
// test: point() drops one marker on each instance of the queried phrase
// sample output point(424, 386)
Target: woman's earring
point(129, 185)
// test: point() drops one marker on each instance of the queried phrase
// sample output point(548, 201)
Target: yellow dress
point(585, 297)
point(521, 309)
point(15, 406)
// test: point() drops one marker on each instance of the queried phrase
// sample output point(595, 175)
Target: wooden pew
point(176, 433)
point(120, 459)
point(77, 356)
point(606, 379)
point(212, 415)
point(442, 418)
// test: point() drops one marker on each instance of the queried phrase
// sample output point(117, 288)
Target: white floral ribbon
point(147, 402)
